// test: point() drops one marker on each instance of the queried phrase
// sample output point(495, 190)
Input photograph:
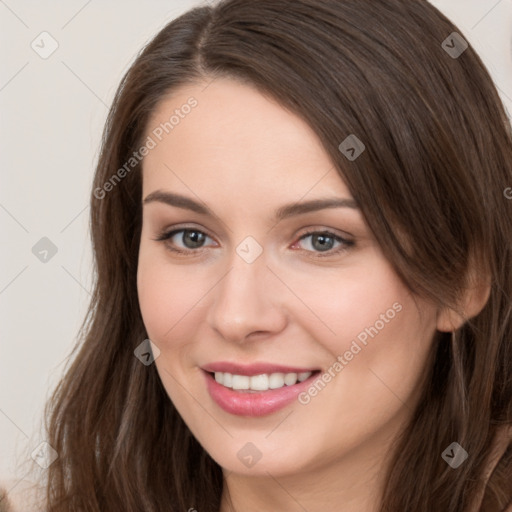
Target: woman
point(301, 204)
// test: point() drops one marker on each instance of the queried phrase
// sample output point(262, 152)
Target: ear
point(474, 299)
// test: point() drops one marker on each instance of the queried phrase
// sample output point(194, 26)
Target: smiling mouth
point(262, 382)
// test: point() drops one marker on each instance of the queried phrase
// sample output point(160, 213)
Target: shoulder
point(20, 496)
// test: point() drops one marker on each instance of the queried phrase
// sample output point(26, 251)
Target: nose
point(247, 302)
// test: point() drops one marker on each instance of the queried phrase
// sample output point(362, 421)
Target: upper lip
point(253, 369)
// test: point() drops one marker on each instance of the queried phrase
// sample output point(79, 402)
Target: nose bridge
point(246, 299)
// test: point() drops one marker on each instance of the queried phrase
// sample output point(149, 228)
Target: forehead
point(234, 137)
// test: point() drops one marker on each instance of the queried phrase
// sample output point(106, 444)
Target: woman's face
point(255, 297)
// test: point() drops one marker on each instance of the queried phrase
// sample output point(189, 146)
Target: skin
point(244, 156)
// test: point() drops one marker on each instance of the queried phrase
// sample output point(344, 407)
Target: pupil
point(322, 245)
point(196, 237)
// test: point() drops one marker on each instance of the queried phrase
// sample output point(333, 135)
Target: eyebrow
point(286, 211)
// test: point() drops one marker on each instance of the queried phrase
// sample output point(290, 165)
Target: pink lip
point(254, 368)
point(254, 403)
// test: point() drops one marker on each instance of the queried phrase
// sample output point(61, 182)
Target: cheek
point(377, 338)
point(381, 360)
point(375, 366)
point(169, 297)
point(347, 303)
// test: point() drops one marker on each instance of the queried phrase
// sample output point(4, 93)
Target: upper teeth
point(261, 382)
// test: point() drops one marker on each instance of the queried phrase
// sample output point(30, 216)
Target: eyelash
point(346, 244)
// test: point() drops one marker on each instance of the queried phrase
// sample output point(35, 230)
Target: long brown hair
point(430, 184)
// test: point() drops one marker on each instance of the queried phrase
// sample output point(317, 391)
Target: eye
point(192, 239)
point(322, 243)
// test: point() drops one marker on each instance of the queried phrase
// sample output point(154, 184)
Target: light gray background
point(52, 115)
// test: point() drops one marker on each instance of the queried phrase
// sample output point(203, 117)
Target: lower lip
point(255, 403)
